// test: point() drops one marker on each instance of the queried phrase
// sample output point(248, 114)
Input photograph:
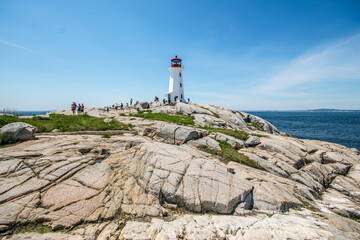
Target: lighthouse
point(176, 84)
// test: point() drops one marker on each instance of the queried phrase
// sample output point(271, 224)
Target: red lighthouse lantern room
point(176, 62)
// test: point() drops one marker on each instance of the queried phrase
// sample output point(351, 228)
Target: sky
point(244, 55)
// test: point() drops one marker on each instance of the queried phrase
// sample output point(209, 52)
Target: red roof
point(176, 59)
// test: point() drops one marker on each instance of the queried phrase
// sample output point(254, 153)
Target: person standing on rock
point(79, 108)
point(73, 107)
point(121, 106)
point(82, 108)
point(131, 102)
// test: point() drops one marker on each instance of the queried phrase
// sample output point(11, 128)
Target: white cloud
point(337, 61)
point(11, 44)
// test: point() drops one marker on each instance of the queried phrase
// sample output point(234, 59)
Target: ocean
point(30, 113)
point(337, 127)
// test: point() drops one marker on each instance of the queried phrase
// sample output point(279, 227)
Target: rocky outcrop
point(18, 131)
point(148, 186)
point(259, 123)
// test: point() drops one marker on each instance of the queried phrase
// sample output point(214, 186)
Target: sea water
point(337, 127)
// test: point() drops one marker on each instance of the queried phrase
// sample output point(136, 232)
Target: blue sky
point(247, 55)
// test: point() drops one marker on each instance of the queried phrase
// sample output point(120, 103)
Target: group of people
point(79, 108)
point(121, 106)
point(169, 101)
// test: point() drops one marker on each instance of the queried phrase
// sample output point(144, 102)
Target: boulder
point(140, 105)
point(191, 109)
point(180, 134)
point(206, 141)
point(234, 142)
point(155, 104)
point(18, 131)
point(252, 141)
point(263, 124)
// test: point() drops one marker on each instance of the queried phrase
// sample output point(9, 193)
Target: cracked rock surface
point(146, 187)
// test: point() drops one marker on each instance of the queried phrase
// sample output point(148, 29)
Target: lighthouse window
point(180, 84)
point(179, 74)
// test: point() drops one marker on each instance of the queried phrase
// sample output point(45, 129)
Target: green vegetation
point(258, 135)
point(144, 111)
point(297, 208)
point(239, 134)
point(33, 227)
point(122, 114)
point(123, 218)
point(106, 136)
point(179, 119)
point(66, 123)
point(234, 112)
point(228, 153)
point(5, 141)
point(308, 206)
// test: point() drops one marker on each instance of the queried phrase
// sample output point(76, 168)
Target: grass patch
point(239, 134)
point(144, 111)
point(66, 123)
point(132, 118)
point(258, 135)
point(178, 119)
point(122, 115)
point(229, 154)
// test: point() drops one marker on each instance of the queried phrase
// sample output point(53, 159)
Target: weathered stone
point(252, 141)
point(173, 133)
point(140, 105)
point(234, 142)
point(86, 180)
point(206, 141)
point(18, 131)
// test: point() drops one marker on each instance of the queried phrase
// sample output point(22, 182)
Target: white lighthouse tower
point(176, 84)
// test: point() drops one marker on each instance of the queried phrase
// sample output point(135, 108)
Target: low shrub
point(5, 141)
